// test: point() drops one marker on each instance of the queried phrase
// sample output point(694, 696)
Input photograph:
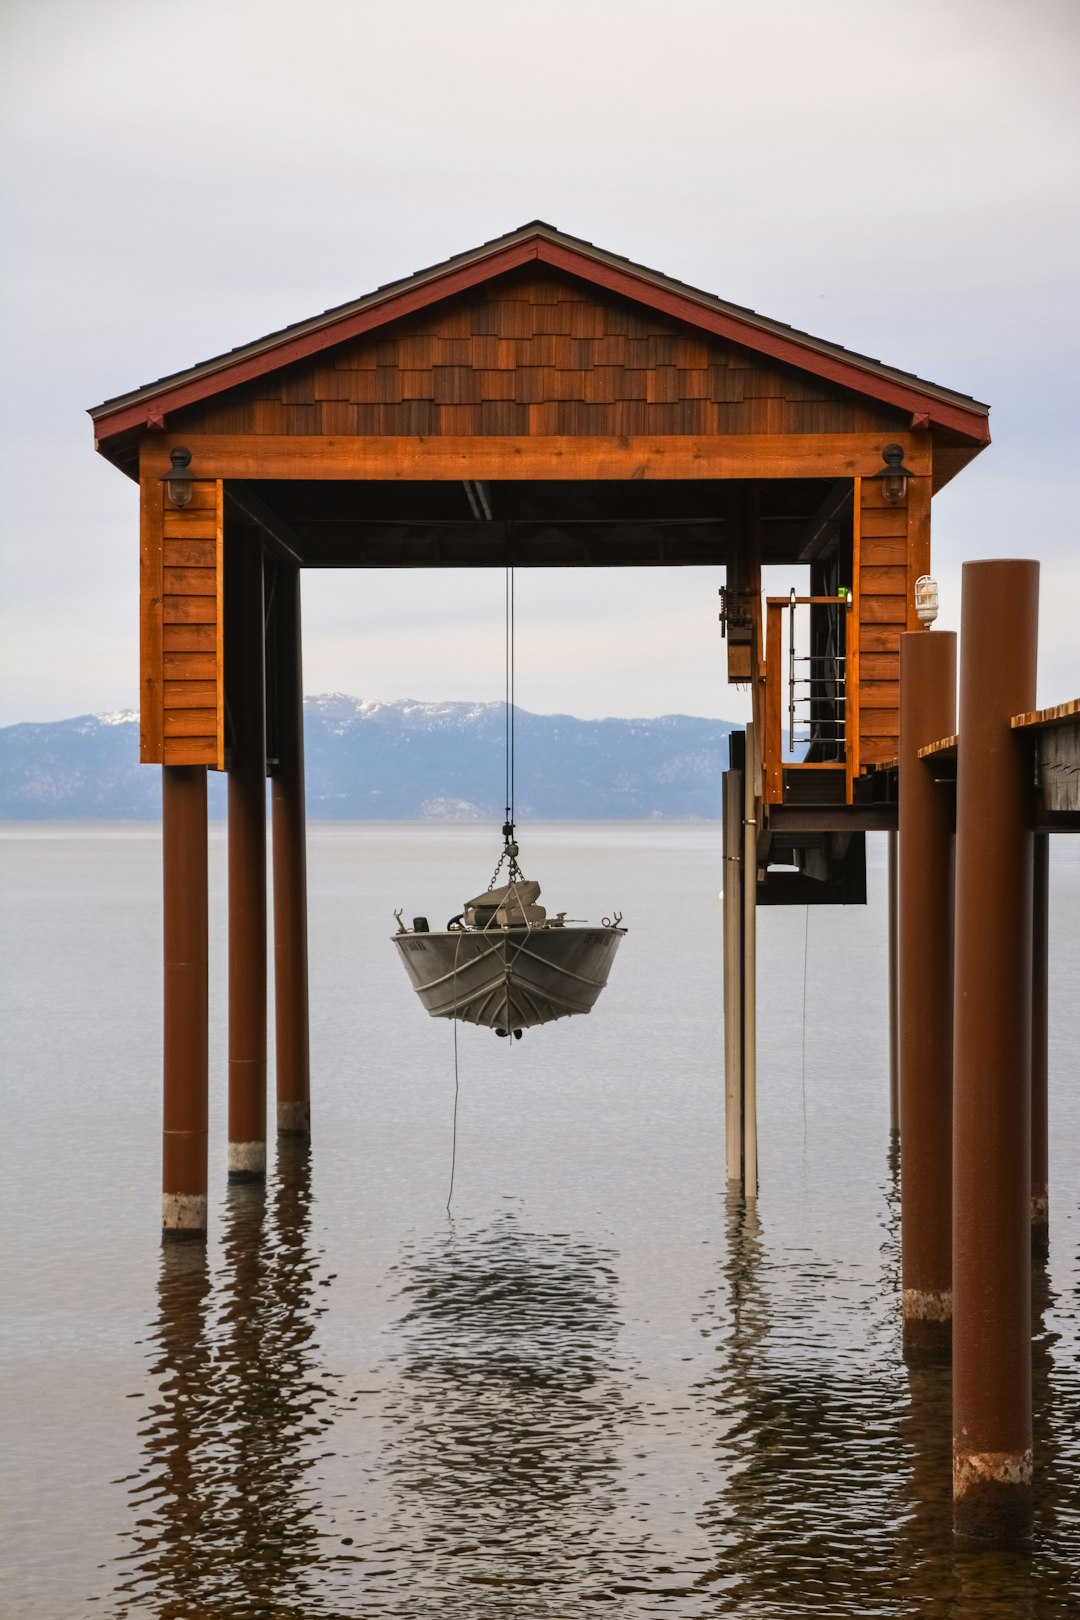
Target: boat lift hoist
point(502, 962)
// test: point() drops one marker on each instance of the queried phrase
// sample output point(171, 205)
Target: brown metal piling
point(247, 859)
point(1040, 954)
point(924, 998)
point(992, 1444)
point(732, 803)
point(185, 1022)
point(893, 927)
point(290, 862)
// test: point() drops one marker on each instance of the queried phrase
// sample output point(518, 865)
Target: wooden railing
point(779, 677)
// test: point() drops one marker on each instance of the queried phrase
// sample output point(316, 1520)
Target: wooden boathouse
point(536, 402)
point(544, 402)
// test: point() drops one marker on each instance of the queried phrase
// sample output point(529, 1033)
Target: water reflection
point(224, 1522)
point(810, 1503)
point(836, 1459)
point(505, 1416)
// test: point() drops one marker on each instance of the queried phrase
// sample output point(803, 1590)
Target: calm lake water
point(600, 1385)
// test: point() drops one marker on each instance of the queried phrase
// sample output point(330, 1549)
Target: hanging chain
point(509, 699)
point(510, 849)
point(509, 856)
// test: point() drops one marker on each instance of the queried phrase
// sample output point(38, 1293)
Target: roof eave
point(146, 406)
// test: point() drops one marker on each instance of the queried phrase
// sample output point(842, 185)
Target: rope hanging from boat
point(457, 1085)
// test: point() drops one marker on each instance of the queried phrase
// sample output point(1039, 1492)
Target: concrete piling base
point(294, 1119)
point(183, 1215)
point(927, 1324)
point(992, 1497)
point(247, 1161)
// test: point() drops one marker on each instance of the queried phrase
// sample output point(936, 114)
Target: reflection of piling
point(183, 821)
point(924, 975)
point(290, 861)
point(247, 863)
point(1040, 952)
point(992, 1469)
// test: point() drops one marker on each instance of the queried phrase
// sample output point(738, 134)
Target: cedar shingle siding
point(537, 353)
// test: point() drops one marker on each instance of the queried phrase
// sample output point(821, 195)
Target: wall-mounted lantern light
point(178, 479)
point(926, 600)
point(895, 475)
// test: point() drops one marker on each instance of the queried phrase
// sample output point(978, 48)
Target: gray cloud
point(179, 181)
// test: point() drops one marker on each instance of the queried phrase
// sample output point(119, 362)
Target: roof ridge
point(782, 334)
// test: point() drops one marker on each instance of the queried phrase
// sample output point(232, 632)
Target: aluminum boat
point(505, 964)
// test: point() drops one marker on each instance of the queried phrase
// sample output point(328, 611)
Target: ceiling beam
point(822, 522)
point(558, 458)
point(344, 543)
point(479, 498)
point(279, 537)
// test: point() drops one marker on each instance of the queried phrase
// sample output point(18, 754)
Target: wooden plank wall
point(893, 548)
point(182, 627)
point(537, 354)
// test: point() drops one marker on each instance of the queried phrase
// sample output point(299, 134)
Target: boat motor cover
point(512, 906)
point(525, 892)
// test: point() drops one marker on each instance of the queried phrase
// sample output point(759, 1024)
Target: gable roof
point(930, 404)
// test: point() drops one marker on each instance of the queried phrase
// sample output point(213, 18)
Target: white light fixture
point(926, 600)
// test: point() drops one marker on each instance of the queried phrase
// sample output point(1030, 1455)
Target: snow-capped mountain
point(404, 760)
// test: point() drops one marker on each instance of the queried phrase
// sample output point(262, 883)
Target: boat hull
point(509, 979)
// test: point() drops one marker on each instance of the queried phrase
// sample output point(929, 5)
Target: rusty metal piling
point(893, 928)
point(290, 862)
point(1040, 1126)
point(733, 990)
point(992, 1445)
point(924, 982)
point(751, 769)
point(247, 860)
point(186, 991)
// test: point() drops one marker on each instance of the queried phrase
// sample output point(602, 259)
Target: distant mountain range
point(403, 761)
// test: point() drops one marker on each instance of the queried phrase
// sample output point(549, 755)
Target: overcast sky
point(181, 179)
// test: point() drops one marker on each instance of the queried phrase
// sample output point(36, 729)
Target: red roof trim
point(150, 405)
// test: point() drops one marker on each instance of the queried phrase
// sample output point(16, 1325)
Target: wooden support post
point(247, 856)
point(733, 991)
point(186, 1043)
point(992, 1460)
point(1040, 1133)
point(290, 862)
point(749, 968)
point(925, 990)
point(892, 925)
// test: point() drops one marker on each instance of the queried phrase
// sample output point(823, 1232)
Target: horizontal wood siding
point(537, 353)
point(182, 693)
point(151, 674)
point(882, 606)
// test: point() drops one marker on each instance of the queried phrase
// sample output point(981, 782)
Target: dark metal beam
point(484, 544)
point(785, 818)
point(279, 537)
point(821, 522)
point(479, 498)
